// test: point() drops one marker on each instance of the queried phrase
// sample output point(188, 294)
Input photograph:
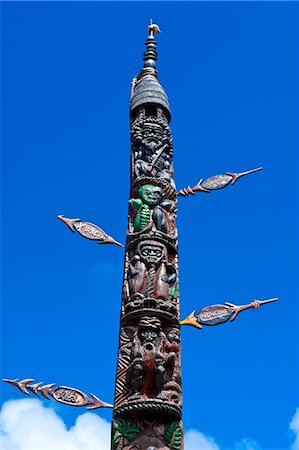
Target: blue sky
point(230, 70)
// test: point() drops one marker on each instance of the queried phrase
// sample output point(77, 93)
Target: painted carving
point(123, 433)
point(136, 434)
point(173, 435)
point(150, 205)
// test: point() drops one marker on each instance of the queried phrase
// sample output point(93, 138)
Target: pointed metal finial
point(150, 54)
point(153, 28)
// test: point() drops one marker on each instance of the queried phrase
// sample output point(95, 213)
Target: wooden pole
point(148, 397)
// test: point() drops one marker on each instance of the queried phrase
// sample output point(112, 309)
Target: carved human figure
point(152, 148)
point(164, 167)
point(146, 145)
point(151, 276)
point(161, 273)
point(173, 380)
point(155, 367)
point(151, 206)
point(165, 278)
point(137, 276)
point(146, 373)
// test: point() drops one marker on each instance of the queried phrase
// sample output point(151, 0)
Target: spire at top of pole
point(146, 89)
point(150, 54)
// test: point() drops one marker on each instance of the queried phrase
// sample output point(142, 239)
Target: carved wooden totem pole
point(148, 396)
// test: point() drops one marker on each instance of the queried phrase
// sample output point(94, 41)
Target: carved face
point(151, 136)
point(151, 253)
point(174, 336)
point(151, 195)
point(148, 338)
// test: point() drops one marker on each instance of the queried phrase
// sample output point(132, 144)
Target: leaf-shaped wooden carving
point(217, 182)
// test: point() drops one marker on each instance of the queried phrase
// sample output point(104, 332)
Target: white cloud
point(28, 425)
point(194, 440)
point(247, 444)
point(294, 426)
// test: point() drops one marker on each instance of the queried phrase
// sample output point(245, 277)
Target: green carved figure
point(149, 207)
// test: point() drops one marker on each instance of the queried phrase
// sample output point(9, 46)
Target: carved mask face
point(151, 253)
point(151, 137)
point(151, 195)
point(148, 338)
point(173, 336)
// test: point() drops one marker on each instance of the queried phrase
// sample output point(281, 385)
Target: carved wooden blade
point(89, 231)
point(217, 314)
point(214, 183)
point(62, 394)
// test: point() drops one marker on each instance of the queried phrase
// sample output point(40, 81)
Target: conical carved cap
point(147, 90)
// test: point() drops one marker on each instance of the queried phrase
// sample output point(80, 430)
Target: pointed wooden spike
point(270, 300)
point(236, 176)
